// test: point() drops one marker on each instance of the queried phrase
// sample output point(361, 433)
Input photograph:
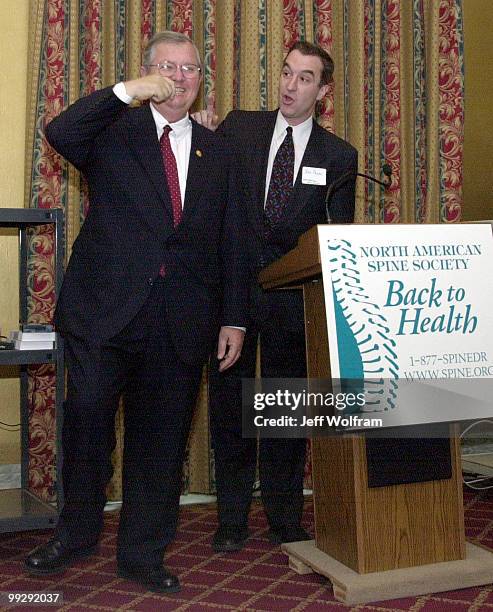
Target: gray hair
point(168, 36)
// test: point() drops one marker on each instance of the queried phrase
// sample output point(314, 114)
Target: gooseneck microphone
point(334, 186)
point(341, 180)
point(387, 170)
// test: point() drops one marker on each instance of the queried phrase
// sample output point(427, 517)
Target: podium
point(373, 542)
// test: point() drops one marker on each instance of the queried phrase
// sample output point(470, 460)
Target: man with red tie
point(156, 269)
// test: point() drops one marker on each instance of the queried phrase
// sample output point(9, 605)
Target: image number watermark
point(31, 599)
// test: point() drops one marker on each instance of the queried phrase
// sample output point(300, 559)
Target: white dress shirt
point(180, 137)
point(301, 135)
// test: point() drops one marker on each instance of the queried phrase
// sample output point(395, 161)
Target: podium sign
point(403, 537)
point(409, 313)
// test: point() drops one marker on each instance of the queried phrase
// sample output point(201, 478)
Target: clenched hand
point(150, 87)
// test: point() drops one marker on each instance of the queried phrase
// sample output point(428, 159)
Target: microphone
point(387, 170)
point(334, 186)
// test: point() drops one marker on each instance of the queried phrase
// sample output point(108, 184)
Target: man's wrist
point(121, 93)
point(243, 329)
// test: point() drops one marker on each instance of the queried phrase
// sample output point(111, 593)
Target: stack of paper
point(33, 340)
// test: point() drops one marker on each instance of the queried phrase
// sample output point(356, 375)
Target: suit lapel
point(143, 142)
point(302, 194)
point(198, 165)
point(260, 159)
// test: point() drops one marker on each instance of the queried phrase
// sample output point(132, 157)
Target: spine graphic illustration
point(367, 357)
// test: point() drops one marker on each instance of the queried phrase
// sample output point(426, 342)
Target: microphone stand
point(335, 185)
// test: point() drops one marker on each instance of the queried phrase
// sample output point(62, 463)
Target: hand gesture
point(207, 117)
point(151, 87)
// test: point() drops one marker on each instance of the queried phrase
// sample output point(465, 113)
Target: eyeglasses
point(167, 69)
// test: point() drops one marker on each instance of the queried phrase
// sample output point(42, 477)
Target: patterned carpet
point(256, 578)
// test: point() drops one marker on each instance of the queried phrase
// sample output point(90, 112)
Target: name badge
point(313, 176)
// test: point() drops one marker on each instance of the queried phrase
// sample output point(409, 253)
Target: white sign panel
point(410, 315)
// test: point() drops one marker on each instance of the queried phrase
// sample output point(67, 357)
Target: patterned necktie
point(281, 181)
point(169, 162)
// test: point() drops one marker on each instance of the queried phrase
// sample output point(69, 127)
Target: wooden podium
point(373, 543)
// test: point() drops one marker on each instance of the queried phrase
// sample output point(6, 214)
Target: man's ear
point(143, 71)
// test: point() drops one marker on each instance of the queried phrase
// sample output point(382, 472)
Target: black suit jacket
point(249, 134)
point(128, 232)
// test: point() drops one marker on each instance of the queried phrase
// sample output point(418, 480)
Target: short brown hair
point(307, 48)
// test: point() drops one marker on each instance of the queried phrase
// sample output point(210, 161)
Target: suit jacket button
point(150, 281)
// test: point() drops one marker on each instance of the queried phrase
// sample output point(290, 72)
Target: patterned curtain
point(397, 97)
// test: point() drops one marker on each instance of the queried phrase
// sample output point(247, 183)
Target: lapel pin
point(198, 153)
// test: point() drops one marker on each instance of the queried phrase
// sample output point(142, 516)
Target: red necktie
point(169, 162)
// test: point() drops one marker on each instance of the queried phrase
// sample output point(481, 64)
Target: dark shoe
point(155, 579)
point(54, 558)
point(228, 538)
point(288, 533)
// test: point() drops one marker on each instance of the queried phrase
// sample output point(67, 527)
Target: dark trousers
point(159, 393)
point(281, 461)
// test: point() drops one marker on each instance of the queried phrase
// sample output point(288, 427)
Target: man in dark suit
point(277, 214)
point(157, 255)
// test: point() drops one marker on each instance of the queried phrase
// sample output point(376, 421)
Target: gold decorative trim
point(250, 52)
point(134, 48)
point(225, 58)
point(108, 62)
point(337, 53)
point(407, 128)
point(377, 104)
point(33, 57)
point(309, 24)
point(431, 12)
point(275, 51)
point(356, 128)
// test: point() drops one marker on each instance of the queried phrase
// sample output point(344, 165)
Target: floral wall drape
point(397, 97)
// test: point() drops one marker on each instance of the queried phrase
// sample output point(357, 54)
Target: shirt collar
point(299, 131)
point(179, 127)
